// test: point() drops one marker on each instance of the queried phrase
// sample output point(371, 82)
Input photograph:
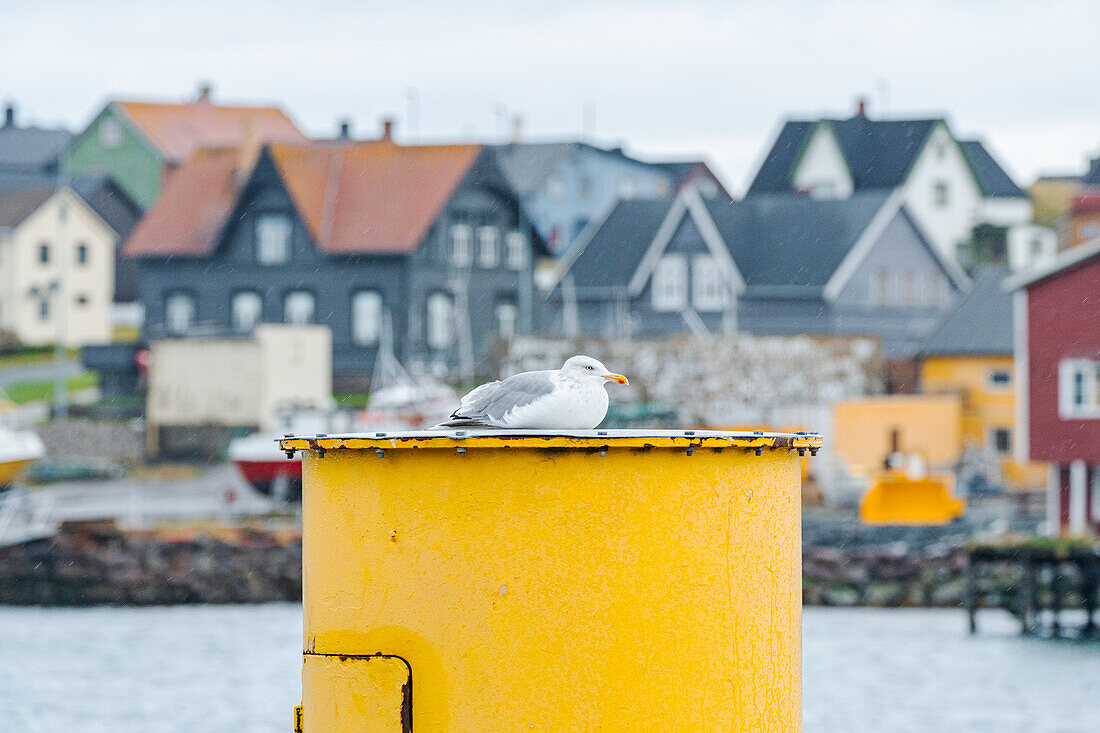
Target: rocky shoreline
point(96, 564)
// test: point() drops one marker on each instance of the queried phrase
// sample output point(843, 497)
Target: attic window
point(515, 250)
point(708, 288)
point(461, 245)
point(670, 284)
point(939, 193)
point(110, 133)
point(488, 255)
point(272, 239)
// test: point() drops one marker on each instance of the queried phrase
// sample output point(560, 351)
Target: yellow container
point(499, 581)
point(897, 499)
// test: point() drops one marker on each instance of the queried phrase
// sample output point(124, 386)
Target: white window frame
point(273, 234)
point(441, 321)
point(110, 133)
point(709, 291)
point(254, 310)
point(173, 323)
point(507, 318)
point(462, 245)
point(669, 284)
point(1068, 407)
point(366, 317)
point(878, 287)
point(291, 308)
point(515, 250)
point(488, 247)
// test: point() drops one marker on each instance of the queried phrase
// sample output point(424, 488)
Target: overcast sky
point(667, 79)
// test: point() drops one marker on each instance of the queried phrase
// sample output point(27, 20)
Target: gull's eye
point(588, 368)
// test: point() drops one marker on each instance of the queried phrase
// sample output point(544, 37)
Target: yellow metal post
point(499, 581)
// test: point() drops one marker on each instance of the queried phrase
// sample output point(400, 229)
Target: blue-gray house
point(566, 185)
point(353, 235)
point(782, 264)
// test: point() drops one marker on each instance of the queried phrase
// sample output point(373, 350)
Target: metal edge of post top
point(586, 440)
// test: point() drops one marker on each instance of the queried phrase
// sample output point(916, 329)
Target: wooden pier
point(1033, 576)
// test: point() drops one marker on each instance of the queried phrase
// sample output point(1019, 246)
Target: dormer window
point(272, 239)
point(488, 254)
point(461, 245)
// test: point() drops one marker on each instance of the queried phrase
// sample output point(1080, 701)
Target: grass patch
point(37, 355)
point(23, 392)
point(351, 400)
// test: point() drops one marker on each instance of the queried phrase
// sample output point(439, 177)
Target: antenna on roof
point(206, 90)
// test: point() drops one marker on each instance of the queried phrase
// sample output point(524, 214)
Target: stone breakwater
point(91, 564)
point(88, 565)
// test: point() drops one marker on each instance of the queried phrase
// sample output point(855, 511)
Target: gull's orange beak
point(617, 378)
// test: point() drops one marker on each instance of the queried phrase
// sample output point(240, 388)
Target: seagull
point(571, 398)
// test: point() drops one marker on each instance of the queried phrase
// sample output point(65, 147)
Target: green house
point(139, 143)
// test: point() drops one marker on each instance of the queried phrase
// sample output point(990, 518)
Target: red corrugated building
point(1057, 341)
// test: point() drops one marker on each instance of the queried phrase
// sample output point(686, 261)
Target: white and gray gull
point(570, 398)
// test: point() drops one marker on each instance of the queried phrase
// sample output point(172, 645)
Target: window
point(461, 245)
point(44, 309)
point(880, 285)
point(488, 255)
point(908, 290)
point(1088, 230)
point(247, 310)
point(555, 187)
point(1036, 247)
point(708, 288)
point(939, 193)
point(366, 317)
point(81, 254)
point(272, 239)
point(110, 133)
point(82, 300)
point(299, 307)
point(670, 284)
point(507, 315)
point(515, 250)
point(440, 321)
point(44, 254)
point(1079, 389)
point(941, 149)
point(584, 187)
point(998, 378)
point(1001, 440)
point(179, 312)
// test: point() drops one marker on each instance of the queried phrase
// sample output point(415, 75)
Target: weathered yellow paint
point(535, 584)
point(897, 499)
point(353, 694)
point(926, 425)
point(985, 407)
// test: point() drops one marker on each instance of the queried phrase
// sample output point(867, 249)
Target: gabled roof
point(356, 197)
point(371, 197)
point(107, 199)
point(686, 172)
point(1066, 260)
point(981, 323)
point(879, 153)
point(790, 242)
point(192, 208)
point(178, 130)
point(30, 149)
point(992, 178)
point(528, 165)
point(19, 203)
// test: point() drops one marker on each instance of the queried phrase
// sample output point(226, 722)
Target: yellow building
point(1051, 196)
point(868, 430)
point(970, 357)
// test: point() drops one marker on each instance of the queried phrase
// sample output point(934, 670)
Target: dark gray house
point(783, 264)
point(29, 154)
point(353, 235)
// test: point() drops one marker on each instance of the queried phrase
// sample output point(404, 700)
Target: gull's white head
point(585, 367)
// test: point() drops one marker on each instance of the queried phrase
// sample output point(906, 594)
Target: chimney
point(206, 89)
point(861, 106)
point(345, 129)
point(517, 128)
point(387, 129)
point(9, 114)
